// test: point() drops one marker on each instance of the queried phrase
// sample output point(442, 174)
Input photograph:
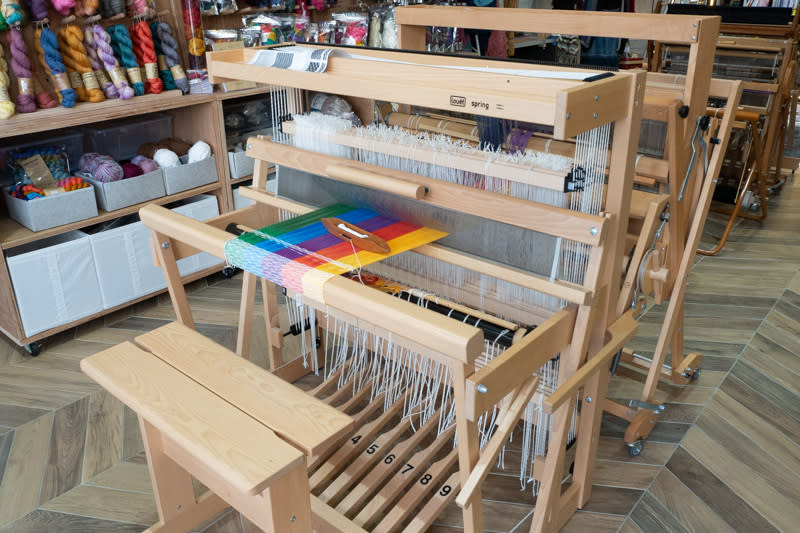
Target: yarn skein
point(39, 9)
point(170, 47)
point(63, 6)
point(199, 151)
point(106, 54)
point(51, 59)
point(101, 167)
point(86, 8)
point(163, 69)
point(43, 98)
point(145, 163)
point(3, 24)
point(6, 105)
point(123, 49)
point(137, 7)
point(71, 38)
point(12, 12)
point(146, 55)
point(21, 66)
point(166, 158)
point(91, 43)
point(112, 8)
point(131, 170)
point(75, 79)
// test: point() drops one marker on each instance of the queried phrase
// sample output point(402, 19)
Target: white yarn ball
point(166, 158)
point(199, 151)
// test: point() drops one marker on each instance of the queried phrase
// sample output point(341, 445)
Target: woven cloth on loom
point(301, 255)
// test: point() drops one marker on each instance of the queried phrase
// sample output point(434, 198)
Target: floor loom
point(767, 68)
point(671, 201)
point(473, 389)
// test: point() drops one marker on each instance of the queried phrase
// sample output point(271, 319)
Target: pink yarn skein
point(63, 6)
point(21, 66)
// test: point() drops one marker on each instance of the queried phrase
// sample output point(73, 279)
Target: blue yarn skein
point(123, 49)
point(52, 57)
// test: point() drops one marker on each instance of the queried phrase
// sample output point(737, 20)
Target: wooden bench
point(241, 431)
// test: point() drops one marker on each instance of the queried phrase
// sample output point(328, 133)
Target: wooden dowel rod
point(375, 180)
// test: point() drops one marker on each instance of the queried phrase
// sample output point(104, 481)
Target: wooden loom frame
point(581, 327)
point(662, 100)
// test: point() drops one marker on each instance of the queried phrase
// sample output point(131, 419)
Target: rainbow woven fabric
point(301, 255)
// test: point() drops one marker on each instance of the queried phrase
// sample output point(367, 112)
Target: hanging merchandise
point(123, 50)
point(112, 9)
point(351, 28)
point(145, 51)
point(21, 67)
point(193, 28)
point(137, 7)
point(102, 41)
point(91, 44)
point(39, 10)
point(50, 57)
point(86, 8)
point(172, 56)
point(62, 7)
point(6, 105)
point(12, 12)
point(75, 56)
point(163, 70)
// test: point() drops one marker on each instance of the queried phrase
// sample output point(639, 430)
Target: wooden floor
point(725, 455)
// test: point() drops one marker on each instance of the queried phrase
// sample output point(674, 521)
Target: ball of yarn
point(199, 151)
point(166, 158)
point(131, 170)
point(148, 150)
point(101, 167)
point(145, 163)
point(176, 145)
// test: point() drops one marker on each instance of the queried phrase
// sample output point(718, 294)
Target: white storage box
point(115, 195)
point(241, 164)
point(51, 211)
point(200, 207)
point(54, 281)
point(190, 175)
point(125, 268)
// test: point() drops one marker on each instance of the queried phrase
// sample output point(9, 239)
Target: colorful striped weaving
point(301, 255)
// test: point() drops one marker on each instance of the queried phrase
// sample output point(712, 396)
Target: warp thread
point(71, 39)
point(12, 12)
point(123, 49)
point(199, 151)
point(170, 47)
point(63, 6)
point(92, 42)
point(166, 158)
point(145, 163)
point(6, 105)
point(105, 52)
point(101, 167)
point(21, 66)
point(145, 51)
point(163, 68)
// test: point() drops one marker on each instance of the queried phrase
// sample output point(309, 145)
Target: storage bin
point(200, 207)
point(190, 175)
point(51, 211)
point(123, 193)
point(70, 140)
point(241, 164)
point(54, 281)
point(121, 139)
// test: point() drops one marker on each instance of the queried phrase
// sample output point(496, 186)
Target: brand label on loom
point(458, 101)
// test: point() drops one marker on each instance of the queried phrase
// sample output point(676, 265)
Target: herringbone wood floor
point(725, 456)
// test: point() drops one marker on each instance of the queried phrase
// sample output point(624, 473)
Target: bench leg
point(288, 503)
point(269, 295)
point(245, 329)
point(178, 510)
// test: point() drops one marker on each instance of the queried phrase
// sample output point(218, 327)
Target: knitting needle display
point(145, 51)
point(6, 105)
point(50, 57)
point(21, 67)
point(71, 39)
point(170, 48)
point(105, 52)
point(163, 69)
point(123, 50)
point(91, 42)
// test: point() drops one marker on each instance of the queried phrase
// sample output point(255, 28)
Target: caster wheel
point(695, 374)
point(33, 348)
point(635, 448)
point(229, 272)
